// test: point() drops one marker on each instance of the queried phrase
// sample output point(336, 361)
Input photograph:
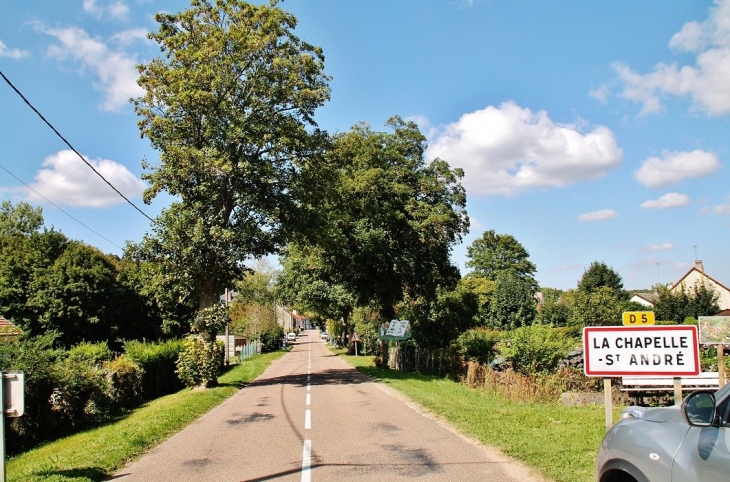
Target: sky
point(588, 131)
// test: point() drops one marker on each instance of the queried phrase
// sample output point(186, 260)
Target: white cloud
point(11, 53)
point(705, 82)
point(722, 209)
point(669, 200)
point(508, 149)
point(598, 215)
point(116, 10)
point(601, 94)
point(65, 179)
point(115, 70)
point(658, 247)
point(676, 166)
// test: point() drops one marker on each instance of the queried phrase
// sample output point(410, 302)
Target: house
point(697, 275)
point(8, 331)
point(646, 299)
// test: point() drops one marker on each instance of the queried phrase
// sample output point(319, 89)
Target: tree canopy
point(229, 105)
point(493, 254)
point(598, 275)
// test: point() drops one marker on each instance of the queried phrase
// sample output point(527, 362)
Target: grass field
point(96, 454)
point(558, 441)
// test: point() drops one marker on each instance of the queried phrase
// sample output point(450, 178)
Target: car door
point(704, 454)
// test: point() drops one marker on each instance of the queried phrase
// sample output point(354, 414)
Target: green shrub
point(157, 360)
point(90, 353)
point(200, 363)
point(271, 337)
point(126, 382)
point(81, 395)
point(478, 344)
point(535, 349)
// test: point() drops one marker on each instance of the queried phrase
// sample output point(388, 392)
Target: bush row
point(70, 390)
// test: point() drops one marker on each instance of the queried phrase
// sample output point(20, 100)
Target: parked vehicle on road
point(683, 443)
point(291, 336)
point(325, 336)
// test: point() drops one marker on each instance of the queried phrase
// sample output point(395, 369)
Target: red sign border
point(695, 335)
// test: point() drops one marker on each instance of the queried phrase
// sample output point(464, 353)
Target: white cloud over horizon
point(668, 201)
point(65, 179)
point(115, 70)
point(598, 215)
point(658, 247)
point(9, 53)
point(656, 172)
point(705, 82)
point(508, 150)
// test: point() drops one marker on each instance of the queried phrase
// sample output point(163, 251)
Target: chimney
point(698, 266)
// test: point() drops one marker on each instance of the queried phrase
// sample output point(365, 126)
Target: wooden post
point(608, 402)
point(677, 390)
point(721, 364)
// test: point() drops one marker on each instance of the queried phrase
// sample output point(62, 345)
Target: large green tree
point(229, 105)
point(598, 275)
point(393, 219)
point(493, 254)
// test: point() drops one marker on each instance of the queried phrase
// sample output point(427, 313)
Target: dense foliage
point(229, 105)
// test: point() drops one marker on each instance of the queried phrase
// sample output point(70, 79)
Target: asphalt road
point(311, 417)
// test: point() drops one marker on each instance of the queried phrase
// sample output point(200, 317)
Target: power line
point(59, 208)
point(72, 147)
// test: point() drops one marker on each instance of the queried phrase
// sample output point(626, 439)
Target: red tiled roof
point(7, 328)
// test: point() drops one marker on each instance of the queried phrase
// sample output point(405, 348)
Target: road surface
point(312, 417)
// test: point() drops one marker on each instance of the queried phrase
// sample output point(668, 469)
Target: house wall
point(696, 276)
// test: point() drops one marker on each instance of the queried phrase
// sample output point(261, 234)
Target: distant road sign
point(638, 318)
point(671, 350)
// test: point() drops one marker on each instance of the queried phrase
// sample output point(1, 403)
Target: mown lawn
point(558, 441)
point(96, 454)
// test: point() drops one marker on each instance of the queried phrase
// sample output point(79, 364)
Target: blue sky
point(589, 131)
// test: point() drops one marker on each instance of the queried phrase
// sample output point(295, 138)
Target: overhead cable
point(71, 147)
point(59, 208)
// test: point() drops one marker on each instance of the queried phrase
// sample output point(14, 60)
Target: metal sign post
point(12, 397)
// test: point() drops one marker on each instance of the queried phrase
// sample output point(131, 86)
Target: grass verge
point(95, 455)
point(559, 442)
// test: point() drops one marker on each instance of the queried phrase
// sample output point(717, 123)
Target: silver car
point(684, 443)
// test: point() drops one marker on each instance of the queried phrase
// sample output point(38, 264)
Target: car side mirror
point(699, 408)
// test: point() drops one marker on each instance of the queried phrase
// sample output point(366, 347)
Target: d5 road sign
point(638, 318)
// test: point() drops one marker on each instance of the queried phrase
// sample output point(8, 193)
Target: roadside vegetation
point(96, 454)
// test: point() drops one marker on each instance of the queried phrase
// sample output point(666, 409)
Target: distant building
point(646, 299)
point(697, 275)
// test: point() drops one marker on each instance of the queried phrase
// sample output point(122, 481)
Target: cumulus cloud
point(658, 247)
point(115, 70)
point(669, 200)
point(656, 172)
point(508, 149)
point(598, 215)
point(65, 179)
point(705, 82)
point(11, 53)
point(117, 10)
